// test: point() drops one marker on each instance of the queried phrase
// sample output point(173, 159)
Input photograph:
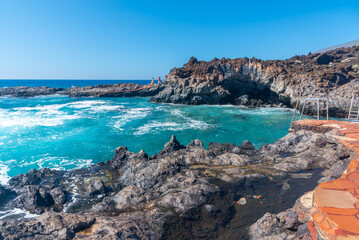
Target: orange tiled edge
point(335, 214)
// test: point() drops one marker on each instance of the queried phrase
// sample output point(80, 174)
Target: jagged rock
point(132, 196)
point(302, 231)
point(129, 197)
point(171, 146)
point(59, 196)
point(5, 194)
point(34, 199)
point(95, 187)
point(231, 159)
point(268, 225)
point(28, 91)
point(32, 177)
point(324, 58)
point(195, 143)
point(48, 226)
point(247, 145)
point(291, 219)
point(220, 148)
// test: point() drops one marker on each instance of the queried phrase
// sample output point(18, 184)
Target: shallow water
point(229, 220)
point(65, 133)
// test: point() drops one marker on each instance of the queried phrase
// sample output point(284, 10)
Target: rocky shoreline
point(181, 192)
point(242, 81)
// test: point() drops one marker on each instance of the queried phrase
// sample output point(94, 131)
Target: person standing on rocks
point(153, 81)
point(159, 80)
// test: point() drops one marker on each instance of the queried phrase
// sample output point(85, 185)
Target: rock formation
point(254, 82)
point(134, 196)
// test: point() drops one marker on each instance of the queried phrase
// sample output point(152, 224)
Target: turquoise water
point(65, 133)
point(63, 83)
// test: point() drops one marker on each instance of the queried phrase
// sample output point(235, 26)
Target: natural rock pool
point(65, 133)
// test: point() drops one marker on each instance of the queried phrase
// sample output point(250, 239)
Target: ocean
point(65, 133)
point(64, 83)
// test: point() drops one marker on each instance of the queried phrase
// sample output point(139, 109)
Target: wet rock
point(34, 199)
point(242, 201)
point(5, 194)
point(95, 187)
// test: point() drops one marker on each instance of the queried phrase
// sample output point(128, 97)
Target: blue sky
point(134, 39)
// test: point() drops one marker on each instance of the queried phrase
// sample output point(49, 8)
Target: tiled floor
point(335, 214)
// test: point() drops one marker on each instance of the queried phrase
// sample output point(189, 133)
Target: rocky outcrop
point(242, 81)
point(134, 196)
point(254, 82)
point(28, 91)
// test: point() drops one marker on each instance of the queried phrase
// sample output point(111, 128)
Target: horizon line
point(74, 79)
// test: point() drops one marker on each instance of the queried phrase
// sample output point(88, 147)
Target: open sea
point(66, 133)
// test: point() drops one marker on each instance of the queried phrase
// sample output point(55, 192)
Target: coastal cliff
point(242, 81)
point(254, 82)
point(181, 192)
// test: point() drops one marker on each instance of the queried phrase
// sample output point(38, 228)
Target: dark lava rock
point(254, 82)
point(220, 148)
point(5, 194)
point(247, 145)
point(34, 199)
point(324, 59)
point(32, 177)
point(95, 187)
point(28, 91)
point(59, 196)
point(133, 196)
point(172, 145)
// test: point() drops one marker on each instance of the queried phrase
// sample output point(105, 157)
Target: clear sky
point(138, 39)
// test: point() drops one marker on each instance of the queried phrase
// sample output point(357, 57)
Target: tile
point(340, 211)
point(347, 223)
point(353, 176)
point(334, 198)
point(318, 218)
point(345, 184)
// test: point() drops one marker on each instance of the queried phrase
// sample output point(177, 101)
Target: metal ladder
point(353, 114)
point(305, 100)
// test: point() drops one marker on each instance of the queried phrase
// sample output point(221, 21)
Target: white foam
point(4, 177)
point(59, 163)
point(42, 118)
point(130, 115)
point(257, 111)
point(155, 126)
point(85, 104)
point(16, 211)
